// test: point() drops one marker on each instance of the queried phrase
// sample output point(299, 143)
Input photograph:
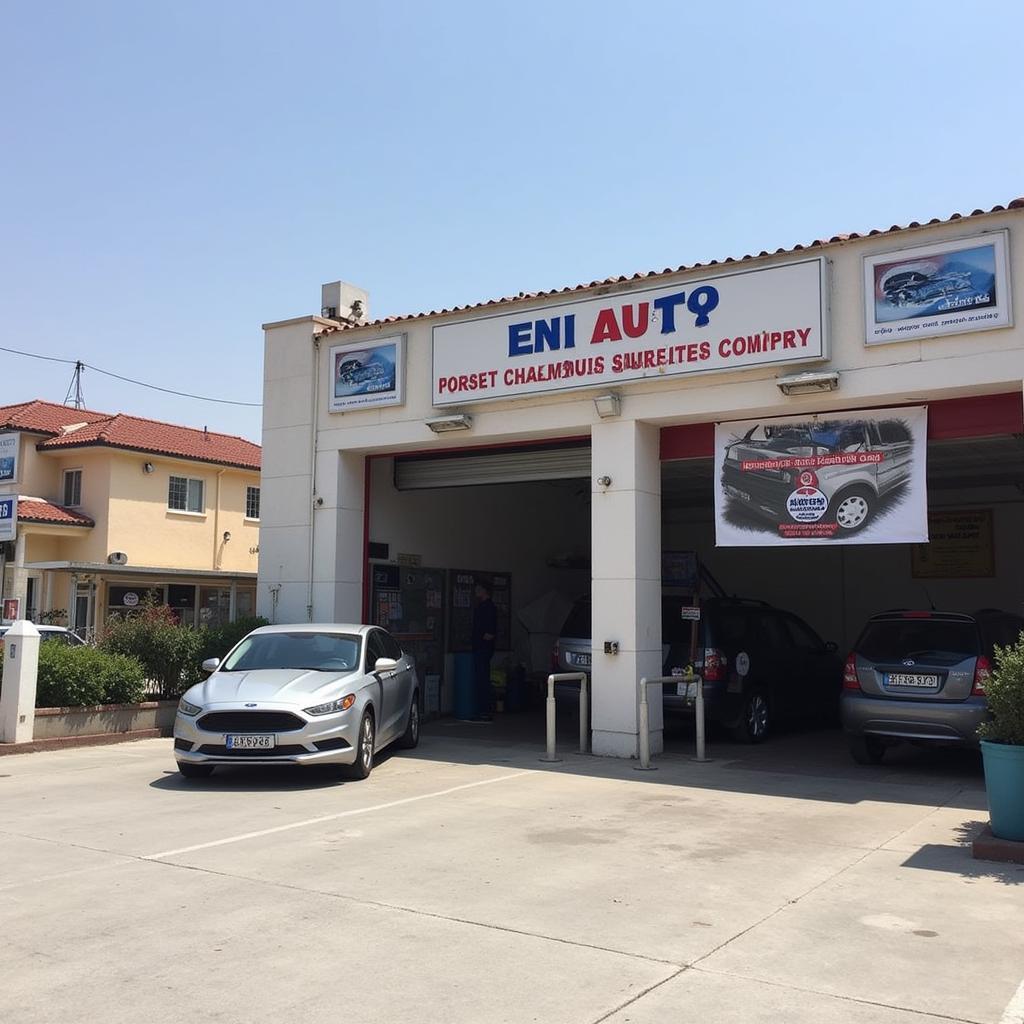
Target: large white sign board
point(735, 321)
point(838, 478)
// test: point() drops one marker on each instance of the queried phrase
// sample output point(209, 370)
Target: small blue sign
point(8, 518)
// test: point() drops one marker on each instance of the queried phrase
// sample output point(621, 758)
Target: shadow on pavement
point(957, 859)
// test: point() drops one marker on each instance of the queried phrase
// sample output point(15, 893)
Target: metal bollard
point(698, 711)
point(564, 677)
point(645, 732)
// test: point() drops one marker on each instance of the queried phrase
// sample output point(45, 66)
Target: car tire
point(411, 737)
point(855, 508)
point(754, 720)
point(363, 764)
point(867, 749)
point(195, 771)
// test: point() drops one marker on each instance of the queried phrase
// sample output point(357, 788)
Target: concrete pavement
point(466, 881)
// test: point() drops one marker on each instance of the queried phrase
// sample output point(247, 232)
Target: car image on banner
point(848, 478)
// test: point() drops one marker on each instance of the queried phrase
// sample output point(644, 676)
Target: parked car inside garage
point(919, 676)
point(789, 672)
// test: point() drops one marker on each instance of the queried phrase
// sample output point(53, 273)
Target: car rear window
point(577, 626)
point(941, 640)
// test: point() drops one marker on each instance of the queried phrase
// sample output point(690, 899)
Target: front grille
point(333, 744)
point(250, 721)
point(285, 750)
point(182, 744)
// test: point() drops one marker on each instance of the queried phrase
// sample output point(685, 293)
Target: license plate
point(735, 492)
point(250, 742)
point(581, 659)
point(906, 679)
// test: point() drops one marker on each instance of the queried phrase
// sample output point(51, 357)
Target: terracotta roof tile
point(39, 417)
point(134, 433)
point(35, 510)
point(1014, 204)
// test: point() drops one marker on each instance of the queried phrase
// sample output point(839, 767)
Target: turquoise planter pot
point(1004, 784)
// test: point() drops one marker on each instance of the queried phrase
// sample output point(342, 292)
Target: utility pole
point(74, 396)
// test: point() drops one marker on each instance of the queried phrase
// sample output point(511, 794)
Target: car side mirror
point(831, 647)
point(385, 665)
point(211, 664)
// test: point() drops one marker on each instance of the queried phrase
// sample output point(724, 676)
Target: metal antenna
point(74, 396)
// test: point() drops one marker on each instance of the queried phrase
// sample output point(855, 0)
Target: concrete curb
point(94, 740)
point(988, 847)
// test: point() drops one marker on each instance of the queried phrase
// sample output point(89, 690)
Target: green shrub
point(80, 675)
point(1005, 691)
point(168, 652)
point(218, 640)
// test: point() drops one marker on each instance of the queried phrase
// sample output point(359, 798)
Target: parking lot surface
point(468, 882)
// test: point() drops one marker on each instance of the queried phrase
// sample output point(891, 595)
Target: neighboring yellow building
point(112, 508)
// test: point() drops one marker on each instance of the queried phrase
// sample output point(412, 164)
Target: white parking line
point(334, 817)
point(1014, 1012)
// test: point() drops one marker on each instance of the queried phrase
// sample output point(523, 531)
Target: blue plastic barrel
point(465, 698)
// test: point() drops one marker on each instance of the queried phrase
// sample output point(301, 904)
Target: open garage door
point(806, 606)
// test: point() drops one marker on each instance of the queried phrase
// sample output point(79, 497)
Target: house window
point(185, 494)
point(72, 488)
point(252, 503)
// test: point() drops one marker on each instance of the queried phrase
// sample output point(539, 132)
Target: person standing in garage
point(485, 633)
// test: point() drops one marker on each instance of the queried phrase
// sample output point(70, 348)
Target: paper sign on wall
point(838, 478)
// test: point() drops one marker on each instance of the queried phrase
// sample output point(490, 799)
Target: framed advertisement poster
point(944, 288)
point(367, 376)
point(841, 478)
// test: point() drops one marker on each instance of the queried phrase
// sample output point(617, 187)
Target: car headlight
point(188, 709)
point(342, 704)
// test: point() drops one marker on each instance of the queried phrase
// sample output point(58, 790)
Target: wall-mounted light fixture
point(604, 481)
point(608, 405)
point(148, 467)
point(442, 424)
point(808, 383)
point(227, 536)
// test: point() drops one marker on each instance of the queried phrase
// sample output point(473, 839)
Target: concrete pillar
point(21, 669)
point(626, 589)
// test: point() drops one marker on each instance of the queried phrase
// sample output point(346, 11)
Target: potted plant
point(1002, 743)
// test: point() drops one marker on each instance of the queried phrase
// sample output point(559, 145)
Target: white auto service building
point(835, 429)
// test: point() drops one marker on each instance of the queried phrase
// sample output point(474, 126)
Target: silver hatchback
point(920, 676)
point(302, 694)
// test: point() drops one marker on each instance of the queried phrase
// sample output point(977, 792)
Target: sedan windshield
point(315, 652)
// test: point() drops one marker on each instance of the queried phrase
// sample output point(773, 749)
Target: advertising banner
point(367, 376)
point(8, 518)
point(9, 458)
point(932, 290)
point(840, 478)
point(774, 315)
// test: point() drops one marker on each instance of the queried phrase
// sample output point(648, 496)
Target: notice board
point(409, 603)
point(462, 601)
point(961, 546)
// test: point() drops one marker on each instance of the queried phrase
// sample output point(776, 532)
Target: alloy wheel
point(852, 512)
point(757, 716)
point(366, 744)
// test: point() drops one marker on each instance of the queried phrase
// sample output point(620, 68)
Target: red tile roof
point(35, 510)
point(134, 433)
point(1014, 204)
point(39, 417)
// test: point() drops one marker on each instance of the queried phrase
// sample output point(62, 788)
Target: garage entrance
point(516, 519)
point(805, 607)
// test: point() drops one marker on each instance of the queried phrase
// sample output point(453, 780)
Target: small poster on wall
point(946, 288)
point(368, 376)
point(840, 478)
point(962, 546)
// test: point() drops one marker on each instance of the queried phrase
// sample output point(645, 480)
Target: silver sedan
point(304, 694)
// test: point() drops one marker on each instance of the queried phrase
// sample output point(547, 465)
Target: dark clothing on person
point(485, 624)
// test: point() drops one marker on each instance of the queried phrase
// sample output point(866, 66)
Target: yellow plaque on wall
point(962, 546)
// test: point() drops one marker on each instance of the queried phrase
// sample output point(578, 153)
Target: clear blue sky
point(175, 174)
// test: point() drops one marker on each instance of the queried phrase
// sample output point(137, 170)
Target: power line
point(128, 380)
